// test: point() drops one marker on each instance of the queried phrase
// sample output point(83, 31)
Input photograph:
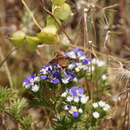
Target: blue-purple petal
point(75, 114)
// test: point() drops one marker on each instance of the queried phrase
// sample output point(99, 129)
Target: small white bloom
point(80, 110)
point(35, 88)
point(106, 107)
point(71, 66)
point(71, 54)
point(84, 67)
point(76, 99)
point(36, 79)
point(27, 86)
point(96, 115)
point(101, 103)
point(84, 99)
point(75, 79)
point(104, 77)
point(64, 94)
point(32, 83)
point(65, 81)
point(69, 98)
point(95, 105)
point(32, 80)
point(77, 69)
point(82, 57)
point(66, 107)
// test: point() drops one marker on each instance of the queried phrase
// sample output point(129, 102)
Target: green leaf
point(49, 35)
point(51, 21)
point(62, 12)
point(32, 42)
point(18, 38)
point(58, 2)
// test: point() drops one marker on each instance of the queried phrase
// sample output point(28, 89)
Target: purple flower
point(56, 74)
point(75, 114)
point(74, 90)
point(31, 81)
point(26, 82)
point(55, 81)
point(86, 61)
point(29, 77)
point(44, 77)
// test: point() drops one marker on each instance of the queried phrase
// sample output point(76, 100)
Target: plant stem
point(4, 62)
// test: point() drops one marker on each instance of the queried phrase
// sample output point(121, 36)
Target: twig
point(111, 6)
point(6, 68)
point(6, 58)
point(32, 15)
point(101, 54)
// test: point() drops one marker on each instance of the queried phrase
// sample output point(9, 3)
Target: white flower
point(73, 109)
point(35, 88)
point(64, 94)
point(76, 99)
point(82, 57)
point(106, 107)
point(69, 98)
point(95, 105)
point(101, 103)
point(75, 79)
point(66, 107)
point(80, 110)
point(77, 69)
point(65, 81)
point(84, 99)
point(96, 115)
point(36, 79)
point(84, 67)
point(71, 66)
point(27, 86)
point(71, 54)
point(104, 77)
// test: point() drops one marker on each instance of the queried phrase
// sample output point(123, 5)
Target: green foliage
point(17, 106)
point(5, 94)
point(58, 2)
point(26, 122)
point(62, 12)
point(12, 105)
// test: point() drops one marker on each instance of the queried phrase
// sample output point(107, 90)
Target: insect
point(61, 60)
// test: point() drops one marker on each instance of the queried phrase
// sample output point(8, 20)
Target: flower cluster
point(79, 60)
point(31, 82)
point(100, 107)
point(55, 74)
point(74, 99)
point(50, 73)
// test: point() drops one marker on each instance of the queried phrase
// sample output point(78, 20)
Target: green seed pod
point(48, 35)
point(62, 12)
point(18, 38)
point(32, 42)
